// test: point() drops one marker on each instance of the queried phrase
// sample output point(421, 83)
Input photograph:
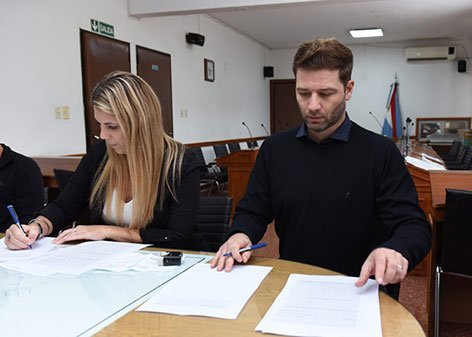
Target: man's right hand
point(233, 245)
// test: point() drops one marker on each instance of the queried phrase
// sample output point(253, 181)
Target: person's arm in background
point(65, 208)
point(29, 190)
point(403, 220)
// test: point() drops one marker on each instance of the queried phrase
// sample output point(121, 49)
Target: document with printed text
point(324, 306)
point(203, 291)
point(40, 247)
point(75, 259)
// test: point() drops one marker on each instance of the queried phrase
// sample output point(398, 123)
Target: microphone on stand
point(379, 124)
point(267, 132)
point(373, 116)
point(251, 142)
point(407, 136)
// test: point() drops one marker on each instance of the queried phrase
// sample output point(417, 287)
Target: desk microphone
point(250, 134)
point(373, 116)
point(267, 132)
point(249, 131)
point(406, 128)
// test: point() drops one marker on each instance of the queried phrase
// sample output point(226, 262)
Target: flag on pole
point(393, 126)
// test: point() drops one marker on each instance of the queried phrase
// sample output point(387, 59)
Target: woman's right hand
point(16, 239)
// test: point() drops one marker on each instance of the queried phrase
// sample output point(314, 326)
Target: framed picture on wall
point(431, 128)
point(209, 68)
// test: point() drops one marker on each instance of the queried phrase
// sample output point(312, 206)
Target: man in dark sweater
point(21, 185)
point(340, 195)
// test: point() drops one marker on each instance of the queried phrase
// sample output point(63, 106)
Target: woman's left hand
point(92, 232)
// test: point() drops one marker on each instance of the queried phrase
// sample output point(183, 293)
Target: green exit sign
point(102, 28)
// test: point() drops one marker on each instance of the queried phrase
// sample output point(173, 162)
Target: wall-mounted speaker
point(194, 38)
point(462, 66)
point(268, 71)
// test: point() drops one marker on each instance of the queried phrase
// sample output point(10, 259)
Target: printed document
point(75, 259)
point(40, 247)
point(203, 291)
point(324, 306)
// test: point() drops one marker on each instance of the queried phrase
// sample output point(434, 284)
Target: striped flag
point(393, 125)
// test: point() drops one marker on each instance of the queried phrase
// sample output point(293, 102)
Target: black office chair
point(453, 151)
point(464, 161)
point(459, 157)
point(455, 254)
point(220, 150)
point(213, 220)
point(209, 174)
point(233, 147)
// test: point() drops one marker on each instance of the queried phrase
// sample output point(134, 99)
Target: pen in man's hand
point(242, 250)
point(16, 220)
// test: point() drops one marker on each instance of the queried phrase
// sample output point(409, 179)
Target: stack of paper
point(424, 164)
point(77, 259)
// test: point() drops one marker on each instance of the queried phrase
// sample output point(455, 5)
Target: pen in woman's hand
point(15, 218)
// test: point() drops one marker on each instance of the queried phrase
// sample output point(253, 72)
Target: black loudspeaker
point(461, 66)
point(268, 71)
point(195, 38)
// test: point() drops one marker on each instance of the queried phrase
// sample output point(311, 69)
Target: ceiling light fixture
point(366, 32)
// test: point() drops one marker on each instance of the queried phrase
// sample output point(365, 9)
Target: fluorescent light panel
point(367, 32)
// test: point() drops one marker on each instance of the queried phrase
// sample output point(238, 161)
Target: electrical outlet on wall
point(65, 112)
point(57, 112)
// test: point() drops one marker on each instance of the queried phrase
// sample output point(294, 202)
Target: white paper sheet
point(424, 164)
point(135, 261)
point(203, 291)
point(74, 259)
point(324, 306)
point(40, 247)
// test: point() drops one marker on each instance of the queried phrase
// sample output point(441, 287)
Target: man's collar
point(341, 133)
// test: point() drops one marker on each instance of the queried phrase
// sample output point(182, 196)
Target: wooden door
point(100, 56)
point(154, 67)
point(284, 111)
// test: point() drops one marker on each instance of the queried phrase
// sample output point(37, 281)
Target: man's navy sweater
point(334, 202)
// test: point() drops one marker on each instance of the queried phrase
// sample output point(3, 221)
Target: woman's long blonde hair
point(153, 160)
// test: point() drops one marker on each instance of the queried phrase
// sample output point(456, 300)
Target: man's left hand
point(387, 265)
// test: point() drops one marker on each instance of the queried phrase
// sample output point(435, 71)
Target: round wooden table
point(396, 320)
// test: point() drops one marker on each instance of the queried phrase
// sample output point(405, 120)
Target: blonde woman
point(139, 184)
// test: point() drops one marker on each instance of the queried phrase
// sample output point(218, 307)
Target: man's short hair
point(321, 54)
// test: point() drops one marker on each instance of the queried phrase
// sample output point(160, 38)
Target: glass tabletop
point(66, 305)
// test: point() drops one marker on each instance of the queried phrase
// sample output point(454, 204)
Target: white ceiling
point(285, 24)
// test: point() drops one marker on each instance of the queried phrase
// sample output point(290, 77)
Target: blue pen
point(242, 250)
point(15, 218)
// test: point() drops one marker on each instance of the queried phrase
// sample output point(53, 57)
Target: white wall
point(41, 68)
point(427, 89)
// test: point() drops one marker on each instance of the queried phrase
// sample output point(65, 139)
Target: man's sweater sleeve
point(404, 221)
